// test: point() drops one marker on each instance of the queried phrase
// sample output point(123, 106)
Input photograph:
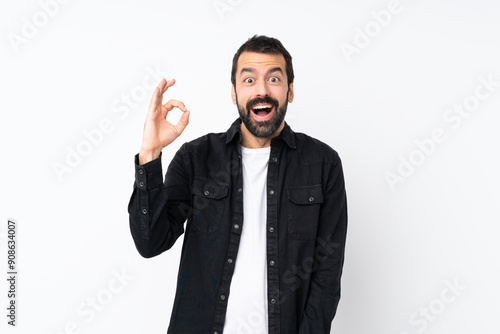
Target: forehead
point(260, 61)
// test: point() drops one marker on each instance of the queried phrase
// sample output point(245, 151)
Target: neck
point(248, 140)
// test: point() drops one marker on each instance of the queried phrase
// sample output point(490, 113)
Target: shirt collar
point(286, 134)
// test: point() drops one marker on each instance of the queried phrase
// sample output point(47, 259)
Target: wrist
point(146, 156)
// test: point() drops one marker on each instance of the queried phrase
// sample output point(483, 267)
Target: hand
point(158, 132)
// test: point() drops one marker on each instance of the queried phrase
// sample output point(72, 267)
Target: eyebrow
point(252, 70)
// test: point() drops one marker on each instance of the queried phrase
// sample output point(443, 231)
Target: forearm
point(323, 298)
point(155, 222)
point(324, 290)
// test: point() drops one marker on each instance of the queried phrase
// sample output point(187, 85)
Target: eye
point(248, 80)
point(274, 79)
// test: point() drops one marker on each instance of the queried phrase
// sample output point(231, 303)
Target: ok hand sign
point(158, 132)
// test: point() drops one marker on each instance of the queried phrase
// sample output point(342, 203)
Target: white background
point(406, 243)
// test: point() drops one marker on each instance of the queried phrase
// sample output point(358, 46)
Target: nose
point(261, 88)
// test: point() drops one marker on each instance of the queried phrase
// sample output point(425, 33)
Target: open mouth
point(262, 111)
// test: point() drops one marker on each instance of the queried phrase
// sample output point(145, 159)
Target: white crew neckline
point(262, 150)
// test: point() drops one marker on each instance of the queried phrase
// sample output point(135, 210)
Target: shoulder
point(205, 145)
point(312, 150)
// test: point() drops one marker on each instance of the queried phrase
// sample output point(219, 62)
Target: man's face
point(261, 93)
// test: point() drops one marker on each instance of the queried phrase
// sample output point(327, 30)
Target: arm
point(324, 290)
point(155, 208)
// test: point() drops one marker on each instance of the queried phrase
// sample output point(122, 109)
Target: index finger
point(156, 99)
point(169, 84)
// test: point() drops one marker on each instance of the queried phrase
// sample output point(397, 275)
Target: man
point(265, 208)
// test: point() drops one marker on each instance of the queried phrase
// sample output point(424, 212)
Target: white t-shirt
point(247, 302)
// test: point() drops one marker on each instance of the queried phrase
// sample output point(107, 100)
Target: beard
point(263, 129)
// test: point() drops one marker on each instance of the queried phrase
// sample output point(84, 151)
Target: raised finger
point(156, 99)
point(169, 84)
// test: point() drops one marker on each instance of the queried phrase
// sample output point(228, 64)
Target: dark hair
point(263, 44)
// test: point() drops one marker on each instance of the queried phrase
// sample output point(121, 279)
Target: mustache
point(265, 99)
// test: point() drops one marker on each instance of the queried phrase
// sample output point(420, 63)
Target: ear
point(233, 94)
point(290, 93)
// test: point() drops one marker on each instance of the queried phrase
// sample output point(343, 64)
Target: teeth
point(262, 106)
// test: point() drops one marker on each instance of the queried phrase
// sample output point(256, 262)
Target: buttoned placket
point(234, 242)
point(272, 237)
point(272, 243)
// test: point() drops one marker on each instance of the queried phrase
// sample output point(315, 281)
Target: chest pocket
point(303, 207)
point(209, 201)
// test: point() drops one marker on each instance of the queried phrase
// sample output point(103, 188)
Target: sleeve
point(157, 210)
point(324, 291)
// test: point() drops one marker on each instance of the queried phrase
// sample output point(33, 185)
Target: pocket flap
point(209, 188)
point(306, 195)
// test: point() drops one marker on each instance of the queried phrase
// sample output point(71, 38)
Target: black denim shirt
point(306, 229)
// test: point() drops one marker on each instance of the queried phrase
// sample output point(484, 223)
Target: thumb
point(183, 122)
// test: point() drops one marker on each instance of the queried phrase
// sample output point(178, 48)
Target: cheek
point(242, 99)
point(282, 98)
point(279, 93)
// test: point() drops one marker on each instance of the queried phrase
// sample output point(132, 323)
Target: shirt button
point(144, 211)
point(274, 159)
point(141, 171)
point(271, 192)
point(311, 199)
point(216, 332)
point(271, 263)
point(207, 192)
point(230, 260)
point(141, 184)
point(273, 301)
point(271, 229)
point(236, 226)
point(240, 190)
point(222, 297)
